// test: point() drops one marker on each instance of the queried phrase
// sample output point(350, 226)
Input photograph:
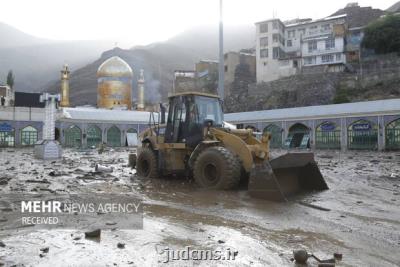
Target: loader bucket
point(285, 176)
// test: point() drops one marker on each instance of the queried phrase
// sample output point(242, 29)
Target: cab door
point(176, 121)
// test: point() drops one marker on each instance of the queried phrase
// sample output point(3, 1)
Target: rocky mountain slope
point(36, 62)
point(159, 61)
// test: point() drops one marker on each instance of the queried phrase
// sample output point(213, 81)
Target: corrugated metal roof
point(390, 106)
point(106, 115)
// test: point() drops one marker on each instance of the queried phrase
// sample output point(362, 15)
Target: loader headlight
point(261, 155)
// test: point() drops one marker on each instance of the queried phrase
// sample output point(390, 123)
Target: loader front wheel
point(217, 168)
point(146, 163)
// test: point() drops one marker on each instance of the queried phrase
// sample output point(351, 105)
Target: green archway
point(276, 135)
point(392, 133)
point(327, 136)
point(298, 137)
point(29, 136)
point(131, 137)
point(7, 135)
point(73, 136)
point(114, 137)
point(362, 134)
point(93, 136)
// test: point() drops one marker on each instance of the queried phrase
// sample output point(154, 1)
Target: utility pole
point(221, 65)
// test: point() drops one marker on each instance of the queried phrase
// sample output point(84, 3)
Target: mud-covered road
point(360, 215)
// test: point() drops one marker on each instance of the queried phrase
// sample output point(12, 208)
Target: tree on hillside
point(10, 79)
point(383, 35)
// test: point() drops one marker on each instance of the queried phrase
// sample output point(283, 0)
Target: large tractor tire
point(217, 168)
point(146, 163)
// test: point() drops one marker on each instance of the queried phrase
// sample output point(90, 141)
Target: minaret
point(140, 101)
point(65, 86)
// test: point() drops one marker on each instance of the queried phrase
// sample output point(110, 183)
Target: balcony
point(318, 32)
point(306, 52)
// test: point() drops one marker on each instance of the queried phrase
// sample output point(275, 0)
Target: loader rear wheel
point(146, 164)
point(217, 168)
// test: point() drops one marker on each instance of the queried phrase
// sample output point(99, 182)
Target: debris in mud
point(45, 250)
point(93, 234)
point(221, 241)
point(301, 256)
point(55, 173)
point(102, 168)
point(2, 245)
point(43, 181)
point(4, 180)
point(132, 160)
point(121, 245)
point(313, 206)
point(338, 256)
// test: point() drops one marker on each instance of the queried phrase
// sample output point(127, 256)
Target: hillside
point(159, 60)
point(158, 63)
point(12, 37)
point(36, 62)
point(394, 8)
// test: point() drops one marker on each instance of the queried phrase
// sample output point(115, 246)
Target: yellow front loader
point(196, 141)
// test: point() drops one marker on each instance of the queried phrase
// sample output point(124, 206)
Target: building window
point(302, 31)
point(289, 43)
point(275, 53)
point(275, 25)
point(312, 46)
point(325, 27)
point(326, 58)
point(275, 37)
point(309, 60)
point(226, 68)
point(282, 40)
point(291, 33)
point(263, 53)
point(338, 57)
point(329, 44)
point(264, 41)
point(29, 136)
point(313, 29)
point(263, 27)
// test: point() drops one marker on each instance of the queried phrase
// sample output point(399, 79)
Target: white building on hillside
point(283, 49)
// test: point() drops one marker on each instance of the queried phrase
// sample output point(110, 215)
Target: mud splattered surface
point(363, 221)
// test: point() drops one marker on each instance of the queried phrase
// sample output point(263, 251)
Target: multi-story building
point(283, 49)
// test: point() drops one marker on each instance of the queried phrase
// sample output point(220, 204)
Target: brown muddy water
point(362, 220)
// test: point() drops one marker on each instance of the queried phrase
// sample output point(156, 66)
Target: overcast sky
point(145, 21)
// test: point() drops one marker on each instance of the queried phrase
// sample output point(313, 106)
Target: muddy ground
point(361, 219)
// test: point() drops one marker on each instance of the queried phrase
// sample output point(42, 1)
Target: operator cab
point(188, 115)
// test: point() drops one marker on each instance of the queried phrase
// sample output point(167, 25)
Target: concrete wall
point(21, 114)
